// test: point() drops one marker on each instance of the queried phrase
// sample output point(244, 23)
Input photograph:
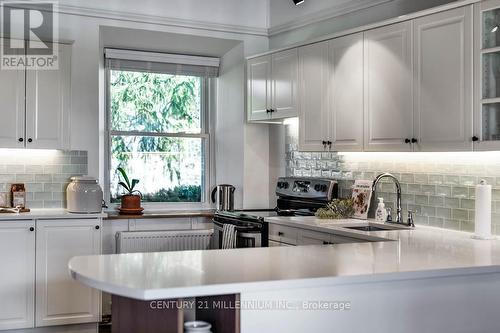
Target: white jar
point(197, 327)
point(84, 195)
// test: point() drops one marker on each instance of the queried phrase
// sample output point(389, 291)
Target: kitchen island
point(426, 279)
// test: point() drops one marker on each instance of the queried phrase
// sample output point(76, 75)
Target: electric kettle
point(223, 197)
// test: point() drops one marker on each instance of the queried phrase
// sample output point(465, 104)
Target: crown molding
point(342, 9)
point(159, 20)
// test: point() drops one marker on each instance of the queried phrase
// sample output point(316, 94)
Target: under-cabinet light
point(298, 2)
point(495, 28)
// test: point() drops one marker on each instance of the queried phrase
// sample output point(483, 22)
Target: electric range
point(295, 197)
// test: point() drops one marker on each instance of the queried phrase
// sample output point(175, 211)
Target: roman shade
point(177, 64)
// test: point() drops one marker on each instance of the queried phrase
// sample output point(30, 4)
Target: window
point(158, 129)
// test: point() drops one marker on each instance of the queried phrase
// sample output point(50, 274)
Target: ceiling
point(223, 12)
point(261, 14)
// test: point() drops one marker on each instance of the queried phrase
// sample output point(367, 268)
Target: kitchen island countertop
point(407, 254)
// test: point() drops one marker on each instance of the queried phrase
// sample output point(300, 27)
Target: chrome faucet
point(399, 218)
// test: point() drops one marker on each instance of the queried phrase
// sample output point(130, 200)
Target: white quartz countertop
point(35, 214)
point(422, 252)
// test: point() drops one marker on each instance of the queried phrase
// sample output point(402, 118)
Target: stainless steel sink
point(371, 227)
point(368, 228)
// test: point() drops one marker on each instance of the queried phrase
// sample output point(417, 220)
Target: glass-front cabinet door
point(487, 115)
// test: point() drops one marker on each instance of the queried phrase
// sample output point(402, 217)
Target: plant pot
point(131, 201)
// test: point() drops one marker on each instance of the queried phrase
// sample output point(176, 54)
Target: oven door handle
point(238, 228)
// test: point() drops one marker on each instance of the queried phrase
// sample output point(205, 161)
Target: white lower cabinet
point(17, 278)
point(308, 237)
point(60, 300)
point(280, 235)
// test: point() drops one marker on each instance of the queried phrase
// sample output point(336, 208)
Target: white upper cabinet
point(61, 300)
point(272, 86)
point(443, 54)
point(487, 78)
point(17, 287)
point(313, 89)
point(36, 105)
point(346, 93)
point(388, 88)
point(284, 75)
point(12, 107)
point(259, 88)
point(48, 104)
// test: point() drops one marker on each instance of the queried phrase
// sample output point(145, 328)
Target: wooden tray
point(24, 210)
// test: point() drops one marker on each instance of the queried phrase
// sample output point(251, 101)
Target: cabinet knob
point(20, 140)
point(97, 227)
point(407, 141)
point(30, 140)
point(273, 110)
point(268, 111)
point(475, 139)
point(280, 234)
point(32, 229)
point(414, 140)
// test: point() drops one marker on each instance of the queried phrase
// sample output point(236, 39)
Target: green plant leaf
point(134, 183)
point(125, 177)
point(125, 186)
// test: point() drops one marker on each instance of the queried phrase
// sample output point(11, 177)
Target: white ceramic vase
point(84, 195)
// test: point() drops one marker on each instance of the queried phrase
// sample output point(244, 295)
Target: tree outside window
point(157, 134)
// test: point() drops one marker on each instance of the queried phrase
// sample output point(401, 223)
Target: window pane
point(169, 169)
point(152, 102)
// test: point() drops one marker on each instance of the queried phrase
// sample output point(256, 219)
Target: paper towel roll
point(483, 211)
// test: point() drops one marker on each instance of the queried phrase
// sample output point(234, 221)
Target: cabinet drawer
point(336, 239)
point(308, 237)
point(277, 244)
point(283, 234)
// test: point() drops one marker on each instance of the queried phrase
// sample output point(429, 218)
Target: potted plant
point(131, 200)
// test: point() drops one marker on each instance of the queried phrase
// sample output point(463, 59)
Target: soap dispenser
point(381, 213)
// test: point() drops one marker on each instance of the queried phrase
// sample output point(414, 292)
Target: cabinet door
point(17, 279)
point(346, 93)
point(486, 77)
point(259, 88)
point(313, 90)
point(11, 107)
point(308, 237)
point(48, 104)
point(388, 88)
point(284, 84)
point(443, 81)
point(60, 299)
point(282, 234)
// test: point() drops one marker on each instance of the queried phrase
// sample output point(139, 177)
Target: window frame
point(208, 88)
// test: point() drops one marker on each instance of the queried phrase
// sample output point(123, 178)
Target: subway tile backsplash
point(45, 173)
point(440, 187)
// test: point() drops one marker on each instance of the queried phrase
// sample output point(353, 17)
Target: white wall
point(370, 15)
point(89, 35)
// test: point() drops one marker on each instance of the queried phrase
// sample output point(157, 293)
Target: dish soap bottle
point(381, 212)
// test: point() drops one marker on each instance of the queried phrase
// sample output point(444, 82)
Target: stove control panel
point(307, 188)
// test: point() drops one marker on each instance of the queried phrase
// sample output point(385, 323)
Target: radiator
point(160, 241)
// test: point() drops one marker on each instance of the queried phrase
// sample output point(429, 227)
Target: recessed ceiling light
point(298, 2)
point(495, 28)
